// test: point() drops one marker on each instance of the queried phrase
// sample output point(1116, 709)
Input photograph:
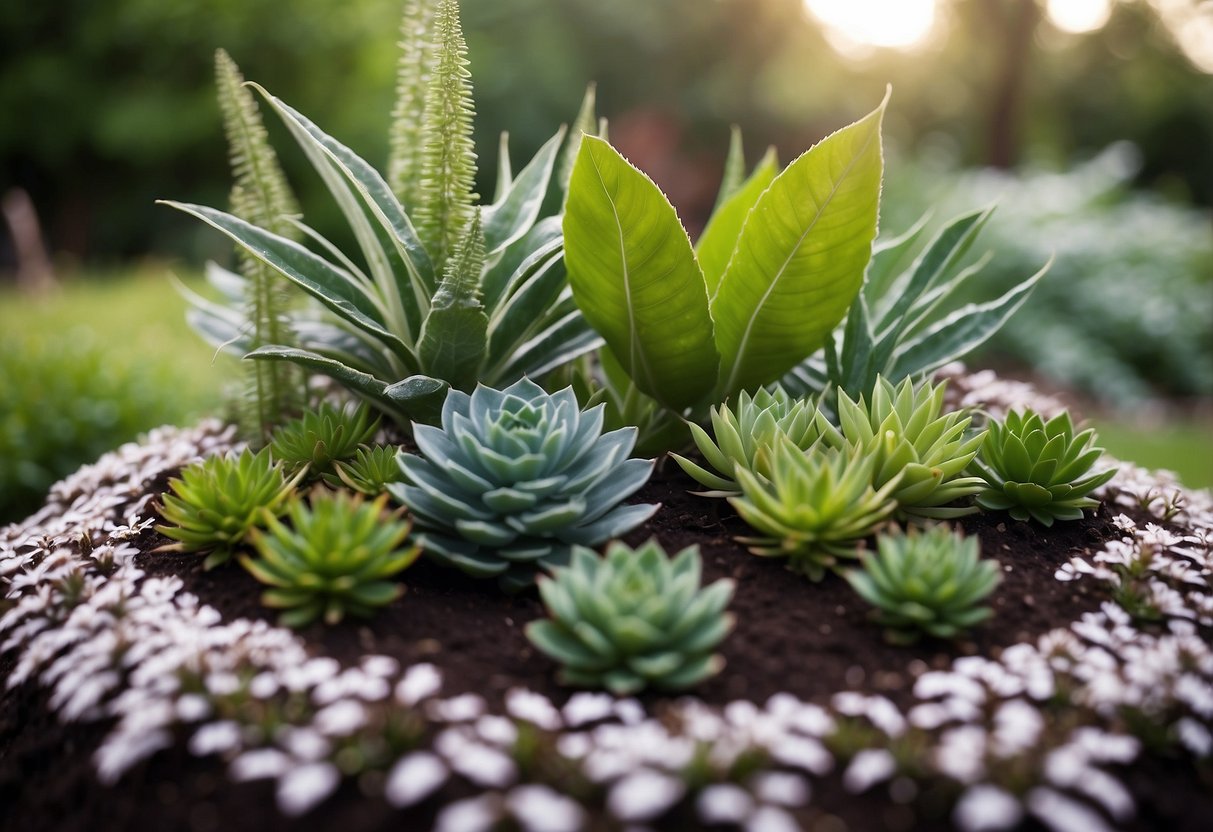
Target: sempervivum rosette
point(514, 478)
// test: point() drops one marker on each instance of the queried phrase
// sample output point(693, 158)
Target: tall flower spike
point(448, 159)
point(260, 195)
point(414, 70)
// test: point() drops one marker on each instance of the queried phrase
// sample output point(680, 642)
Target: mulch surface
point(811, 640)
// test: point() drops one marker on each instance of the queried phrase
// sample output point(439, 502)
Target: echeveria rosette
point(931, 583)
point(336, 558)
point(1037, 469)
point(905, 432)
point(739, 431)
point(815, 507)
point(633, 619)
point(514, 478)
point(213, 505)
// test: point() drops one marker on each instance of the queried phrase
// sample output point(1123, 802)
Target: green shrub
point(633, 619)
point(334, 559)
point(64, 402)
point(1033, 468)
point(213, 505)
point(931, 582)
point(906, 432)
point(738, 432)
point(514, 478)
point(815, 507)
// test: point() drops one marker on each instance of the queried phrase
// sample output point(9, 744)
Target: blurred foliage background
point(1090, 123)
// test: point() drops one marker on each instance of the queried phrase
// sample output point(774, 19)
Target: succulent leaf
point(1035, 469)
point(931, 582)
point(633, 619)
point(321, 438)
point(515, 478)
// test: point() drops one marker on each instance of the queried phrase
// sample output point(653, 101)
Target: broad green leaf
point(454, 337)
point(393, 250)
point(334, 288)
point(963, 331)
point(355, 381)
point(800, 257)
point(635, 277)
point(512, 216)
point(719, 239)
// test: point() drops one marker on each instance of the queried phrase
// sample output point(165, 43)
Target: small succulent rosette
point(514, 478)
point(633, 619)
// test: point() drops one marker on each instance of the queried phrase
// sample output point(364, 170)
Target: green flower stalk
point(514, 478)
point(906, 432)
point(738, 433)
point(929, 583)
point(633, 619)
point(320, 438)
point(816, 506)
point(336, 558)
point(215, 504)
point(1037, 469)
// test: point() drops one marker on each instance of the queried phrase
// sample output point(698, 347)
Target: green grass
point(1184, 446)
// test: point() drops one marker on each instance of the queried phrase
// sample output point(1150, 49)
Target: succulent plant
point(931, 582)
point(335, 558)
point(633, 619)
point(905, 431)
point(1033, 468)
point(739, 432)
point(215, 503)
point(514, 478)
point(321, 437)
point(369, 472)
point(814, 508)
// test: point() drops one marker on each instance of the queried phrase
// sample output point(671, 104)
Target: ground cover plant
point(1046, 684)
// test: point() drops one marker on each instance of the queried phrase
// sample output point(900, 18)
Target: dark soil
point(807, 639)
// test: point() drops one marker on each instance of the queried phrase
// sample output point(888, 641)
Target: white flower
point(1063, 814)
point(414, 778)
point(532, 707)
point(781, 787)
point(215, 738)
point(586, 707)
point(473, 814)
point(724, 803)
point(538, 808)
point(644, 795)
point(463, 708)
point(869, 767)
point(303, 787)
point(986, 808)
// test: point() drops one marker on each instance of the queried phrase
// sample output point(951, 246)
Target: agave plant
point(904, 430)
point(216, 503)
point(1038, 469)
point(737, 434)
point(514, 478)
point(334, 559)
point(815, 507)
point(370, 472)
point(931, 582)
point(446, 294)
point(320, 438)
point(633, 619)
point(901, 325)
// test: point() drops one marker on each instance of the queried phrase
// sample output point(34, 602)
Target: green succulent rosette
point(370, 471)
point(514, 478)
point(928, 583)
point(739, 431)
point(633, 619)
point(1039, 470)
point(320, 438)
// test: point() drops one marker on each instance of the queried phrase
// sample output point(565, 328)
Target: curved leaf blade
point(800, 258)
point(635, 277)
point(719, 240)
point(512, 216)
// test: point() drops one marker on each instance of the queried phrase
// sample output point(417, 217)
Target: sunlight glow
point(1077, 16)
point(897, 24)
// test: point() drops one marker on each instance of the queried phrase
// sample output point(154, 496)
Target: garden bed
point(143, 692)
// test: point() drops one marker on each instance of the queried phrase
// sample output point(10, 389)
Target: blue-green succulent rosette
point(514, 478)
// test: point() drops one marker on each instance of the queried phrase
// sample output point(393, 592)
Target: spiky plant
point(514, 478)
point(1037, 469)
point(815, 507)
point(905, 431)
point(320, 438)
point(633, 619)
point(213, 505)
point(336, 558)
point(930, 583)
point(739, 431)
point(369, 472)
point(434, 299)
point(260, 195)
